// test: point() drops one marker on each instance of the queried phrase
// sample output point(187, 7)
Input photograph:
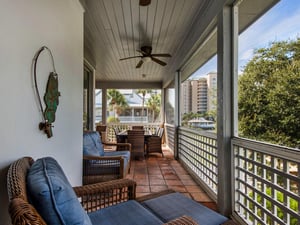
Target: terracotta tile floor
point(156, 173)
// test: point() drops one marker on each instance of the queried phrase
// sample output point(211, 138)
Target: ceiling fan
point(145, 2)
point(147, 56)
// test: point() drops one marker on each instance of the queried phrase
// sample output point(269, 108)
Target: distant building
point(199, 96)
point(212, 91)
point(133, 114)
point(202, 123)
point(186, 97)
point(202, 95)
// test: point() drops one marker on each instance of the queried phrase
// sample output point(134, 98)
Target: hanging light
point(146, 59)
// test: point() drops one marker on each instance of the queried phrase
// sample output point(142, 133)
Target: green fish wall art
point(50, 97)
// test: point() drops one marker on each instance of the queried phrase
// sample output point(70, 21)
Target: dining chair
point(137, 141)
point(154, 143)
point(119, 139)
point(137, 127)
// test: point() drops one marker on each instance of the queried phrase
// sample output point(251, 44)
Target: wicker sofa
point(54, 201)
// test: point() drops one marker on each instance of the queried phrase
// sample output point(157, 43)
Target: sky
point(281, 22)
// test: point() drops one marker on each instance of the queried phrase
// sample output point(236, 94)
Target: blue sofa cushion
point(52, 195)
point(174, 205)
point(92, 145)
point(125, 213)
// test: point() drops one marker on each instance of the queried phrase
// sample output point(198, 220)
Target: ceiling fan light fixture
point(146, 59)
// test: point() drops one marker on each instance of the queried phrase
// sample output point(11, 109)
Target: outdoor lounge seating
point(54, 201)
point(100, 165)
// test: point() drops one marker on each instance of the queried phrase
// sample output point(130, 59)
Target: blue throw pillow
point(52, 195)
point(92, 144)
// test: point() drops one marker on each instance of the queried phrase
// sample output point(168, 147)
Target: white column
point(104, 105)
point(225, 111)
point(177, 111)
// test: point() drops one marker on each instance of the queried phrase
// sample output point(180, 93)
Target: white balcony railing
point(266, 178)
point(266, 183)
point(133, 119)
point(197, 150)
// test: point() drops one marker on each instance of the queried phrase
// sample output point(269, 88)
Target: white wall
point(25, 26)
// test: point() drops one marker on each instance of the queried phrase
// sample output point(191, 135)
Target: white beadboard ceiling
point(115, 29)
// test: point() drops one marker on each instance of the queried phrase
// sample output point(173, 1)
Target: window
point(170, 105)
point(87, 99)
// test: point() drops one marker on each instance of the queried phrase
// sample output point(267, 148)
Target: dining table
point(137, 153)
point(123, 135)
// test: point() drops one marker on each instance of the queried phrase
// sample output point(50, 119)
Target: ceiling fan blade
point(140, 63)
point(158, 61)
point(162, 55)
point(132, 57)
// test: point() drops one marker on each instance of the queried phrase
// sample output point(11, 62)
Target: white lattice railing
point(169, 135)
point(198, 151)
point(266, 178)
point(266, 183)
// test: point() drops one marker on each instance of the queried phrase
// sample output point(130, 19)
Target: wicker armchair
point(107, 166)
point(107, 194)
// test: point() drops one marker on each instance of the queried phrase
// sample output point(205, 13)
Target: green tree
point(293, 204)
point(186, 117)
point(269, 95)
point(189, 116)
point(116, 101)
point(153, 104)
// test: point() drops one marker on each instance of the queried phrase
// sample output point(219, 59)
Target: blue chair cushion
point(92, 145)
point(52, 195)
point(125, 213)
point(174, 205)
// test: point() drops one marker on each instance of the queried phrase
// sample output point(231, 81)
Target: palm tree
point(143, 92)
point(117, 101)
point(153, 104)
